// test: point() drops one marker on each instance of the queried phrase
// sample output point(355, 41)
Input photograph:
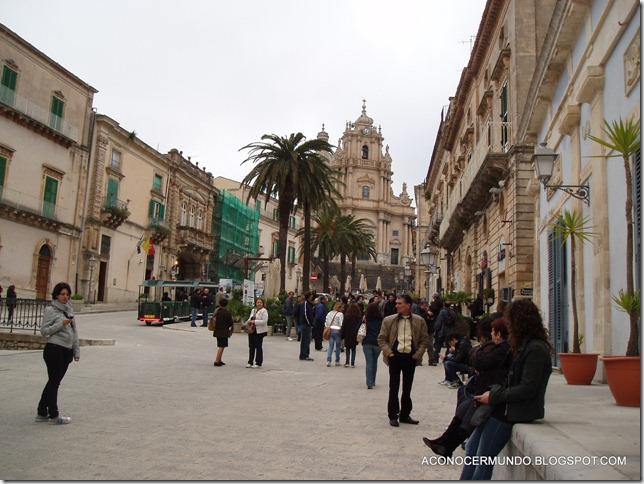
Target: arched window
point(365, 152)
point(366, 192)
point(192, 217)
point(184, 209)
point(199, 219)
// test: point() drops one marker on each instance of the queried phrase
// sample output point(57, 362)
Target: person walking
point(522, 398)
point(334, 321)
point(389, 307)
point(350, 326)
point(223, 329)
point(62, 347)
point(434, 309)
point(12, 302)
point(289, 314)
point(370, 348)
point(403, 340)
point(259, 318)
point(195, 303)
point(307, 315)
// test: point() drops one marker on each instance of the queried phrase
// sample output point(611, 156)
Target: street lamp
point(544, 161)
point(428, 259)
point(298, 274)
point(407, 271)
point(91, 262)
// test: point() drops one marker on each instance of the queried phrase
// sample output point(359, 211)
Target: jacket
point(57, 333)
point(320, 314)
point(524, 394)
point(223, 323)
point(488, 360)
point(307, 313)
point(289, 307)
point(461, 353)
point(373, 330)
point(261, 320)
point(334, 320)
point(350, 327)
point(389, 334)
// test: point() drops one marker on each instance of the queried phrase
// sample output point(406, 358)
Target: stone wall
point(17, 341)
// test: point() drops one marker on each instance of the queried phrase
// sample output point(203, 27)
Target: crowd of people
point(500, 381)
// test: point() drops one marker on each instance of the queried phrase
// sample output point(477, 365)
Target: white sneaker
point(289, 339)
point(454, 385)
point(328, 363)
point(444, 382)
point(249, 365)
point(255, 366)
point(60, 420)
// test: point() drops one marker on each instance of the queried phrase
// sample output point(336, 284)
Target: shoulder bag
point(362, 330)
point(327, 330)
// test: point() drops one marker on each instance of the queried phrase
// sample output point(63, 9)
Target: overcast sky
point(210, 76)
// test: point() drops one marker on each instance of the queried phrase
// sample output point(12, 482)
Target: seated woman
point(521, 398)
point(489, 365)
point(456, 359)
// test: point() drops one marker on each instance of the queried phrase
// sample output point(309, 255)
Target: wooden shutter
point(3, 170)
point(112, 193)
point(557, 323)
point(9, 81)
point(56, 115)
point(49, 197)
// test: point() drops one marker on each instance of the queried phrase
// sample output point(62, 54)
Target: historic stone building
point(45, 118)
point(139, 196)
point(365, 170)
point(481, 224)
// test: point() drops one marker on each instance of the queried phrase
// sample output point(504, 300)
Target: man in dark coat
point(306, 321)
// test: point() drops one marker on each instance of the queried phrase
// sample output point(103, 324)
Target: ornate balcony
point(114, 212)
point(30, 210)
point(192, 239)
point(159, 230)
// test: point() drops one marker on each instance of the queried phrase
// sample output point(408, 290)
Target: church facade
point(365, 169)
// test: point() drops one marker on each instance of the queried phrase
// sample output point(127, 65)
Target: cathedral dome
point(364, 119)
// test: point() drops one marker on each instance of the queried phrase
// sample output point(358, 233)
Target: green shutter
point(504, 103)
point(56, 115)
point(161, 212)
point(157, 183)
point(291, 255)
point(112, 193)
point(49, 198)
point(151, 210)
point(3, 170)
point(8, 90)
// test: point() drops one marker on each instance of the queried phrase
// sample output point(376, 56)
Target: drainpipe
point(86, 201)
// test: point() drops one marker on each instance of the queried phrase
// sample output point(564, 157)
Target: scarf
point(66, 309)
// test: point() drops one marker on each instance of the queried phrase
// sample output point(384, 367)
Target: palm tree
point(623, 137)
point(573, 226)
point(318, 190)
point(278, 172)
point(352, 234)
point(325, 237)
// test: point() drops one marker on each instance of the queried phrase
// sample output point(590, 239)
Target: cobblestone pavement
point(153, 407)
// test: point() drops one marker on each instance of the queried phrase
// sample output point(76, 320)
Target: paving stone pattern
point(153, 407)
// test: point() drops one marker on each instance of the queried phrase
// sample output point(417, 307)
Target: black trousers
point(404, 365)
point(255, 350)
point(57, 358)
point(318, 332)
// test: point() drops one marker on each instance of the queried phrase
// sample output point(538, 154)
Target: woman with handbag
point(522, 398)
point(259, 321)
point(333, 327)
point(370, 348)
point(490, 364)
point(350, 325)
point(223, 329)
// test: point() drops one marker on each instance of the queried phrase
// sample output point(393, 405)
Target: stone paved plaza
point(153, 407)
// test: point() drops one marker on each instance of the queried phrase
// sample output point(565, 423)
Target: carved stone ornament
point(632, 63)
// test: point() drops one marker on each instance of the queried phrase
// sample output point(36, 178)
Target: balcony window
point(157, 211)
point(49, 197)
point(291, 255)
point(394, 257)
point(365, 152)
point(8, 90)
point(56, 113)
point(3, 172)
point(199, 219)
point(366, 192)
point(184, 214)
point(192, 217)
point(112, 193)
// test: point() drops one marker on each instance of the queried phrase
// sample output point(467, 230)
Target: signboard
point(526, 291)
point(248, 295)
point(314, 277)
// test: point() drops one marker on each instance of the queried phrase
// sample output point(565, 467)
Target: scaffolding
point(236, 230)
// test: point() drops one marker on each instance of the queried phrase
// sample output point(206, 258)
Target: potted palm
point(578, 368)
point(623, 137)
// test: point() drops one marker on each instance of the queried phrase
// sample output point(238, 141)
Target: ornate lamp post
point(428, 259)
point(544, 161)
point(407, 272)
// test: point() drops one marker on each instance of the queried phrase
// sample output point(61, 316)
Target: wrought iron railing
point(26, 314)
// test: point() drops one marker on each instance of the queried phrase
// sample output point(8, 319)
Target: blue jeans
point(204, 312)
point(335, 339)
point(193, 316)
point(487, 440)
point(451, 367)
point(305, 342)
point(371, 355)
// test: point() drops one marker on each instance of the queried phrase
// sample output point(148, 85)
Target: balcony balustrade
point(19, 205)
point(114, 212)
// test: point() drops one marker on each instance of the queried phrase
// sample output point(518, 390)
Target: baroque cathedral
point(365, 170)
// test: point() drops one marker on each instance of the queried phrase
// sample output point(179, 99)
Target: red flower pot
point(623, 376)
point(578, 368)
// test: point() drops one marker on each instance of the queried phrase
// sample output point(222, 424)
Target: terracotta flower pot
point(623, 376)
point(578, 368)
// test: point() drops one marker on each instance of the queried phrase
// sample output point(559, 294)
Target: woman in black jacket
point(370, 348)
point(522, 398)
point(487, 367)
point(223, 329)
